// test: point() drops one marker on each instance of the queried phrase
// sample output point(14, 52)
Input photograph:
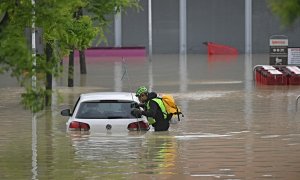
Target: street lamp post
point(33, 45)
point(34, 133)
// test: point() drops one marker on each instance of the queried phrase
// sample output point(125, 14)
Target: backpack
point(171, 106)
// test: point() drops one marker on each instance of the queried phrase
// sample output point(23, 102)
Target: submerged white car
point(105, 111)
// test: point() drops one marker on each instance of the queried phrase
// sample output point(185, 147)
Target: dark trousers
point(161, 125)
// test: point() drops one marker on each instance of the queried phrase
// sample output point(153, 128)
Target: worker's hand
point(136, 112)
point(136, 105)
point(142, 105)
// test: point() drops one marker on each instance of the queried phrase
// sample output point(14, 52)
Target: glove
point(136, 112)
point(136, 105)
point(142, 105)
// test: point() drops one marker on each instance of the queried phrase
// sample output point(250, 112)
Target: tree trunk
point(4, 19)
point(77, 15)
point(82, 62)
point(48, 97)
point(71, 69)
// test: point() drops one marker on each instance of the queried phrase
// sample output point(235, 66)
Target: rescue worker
point(154, 109)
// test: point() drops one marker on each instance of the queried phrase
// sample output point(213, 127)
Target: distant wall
point(221, 21)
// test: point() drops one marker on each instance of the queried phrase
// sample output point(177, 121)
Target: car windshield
point(107, 109)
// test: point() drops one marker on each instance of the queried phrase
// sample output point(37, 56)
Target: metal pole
point(183, 87)
point(248, 26)
point(33, 84)
point(34, 147)
point(118, 29)
point(182, 24)
point(150, 76)
point(33, 79)
point(183, 73)
point(150, 26)
point(249, 77)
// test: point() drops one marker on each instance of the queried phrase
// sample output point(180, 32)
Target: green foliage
point(14, 54)
point(287, 10)
point(79, 33)
point(34, 99)
point(63, 30)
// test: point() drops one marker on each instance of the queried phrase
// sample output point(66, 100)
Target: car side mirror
point(66, 112)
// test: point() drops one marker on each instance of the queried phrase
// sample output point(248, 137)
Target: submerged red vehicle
point(220, 49)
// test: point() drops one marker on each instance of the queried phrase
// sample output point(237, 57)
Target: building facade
point(221, 21)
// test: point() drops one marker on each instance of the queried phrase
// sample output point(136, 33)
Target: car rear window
point(108, 109)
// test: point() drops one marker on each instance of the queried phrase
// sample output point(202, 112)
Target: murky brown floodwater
point(232, 128)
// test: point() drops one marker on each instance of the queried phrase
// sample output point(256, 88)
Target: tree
point(62, 33)
point(287, 10)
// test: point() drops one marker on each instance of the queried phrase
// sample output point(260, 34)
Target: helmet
point(140, 90)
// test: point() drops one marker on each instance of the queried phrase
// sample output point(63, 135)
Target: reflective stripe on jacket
point(161, 105)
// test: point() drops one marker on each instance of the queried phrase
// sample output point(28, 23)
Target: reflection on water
point(232, 129)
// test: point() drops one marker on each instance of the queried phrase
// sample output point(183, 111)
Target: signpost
point(278, 50)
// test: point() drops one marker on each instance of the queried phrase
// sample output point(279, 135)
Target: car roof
point(108, 96)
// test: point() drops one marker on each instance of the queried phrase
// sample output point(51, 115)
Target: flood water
point(232, 128)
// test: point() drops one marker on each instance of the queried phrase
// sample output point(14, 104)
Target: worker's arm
point(152, 110)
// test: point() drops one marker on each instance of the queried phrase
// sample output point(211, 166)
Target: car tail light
point(79, 126)
point(138, 126)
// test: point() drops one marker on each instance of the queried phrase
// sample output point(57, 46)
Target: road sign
point(278, 50)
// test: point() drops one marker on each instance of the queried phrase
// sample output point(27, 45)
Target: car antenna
point(130, 88)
